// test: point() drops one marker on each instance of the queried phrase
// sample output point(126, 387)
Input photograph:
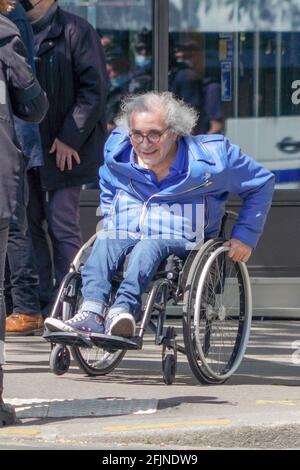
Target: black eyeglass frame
point(141, 136)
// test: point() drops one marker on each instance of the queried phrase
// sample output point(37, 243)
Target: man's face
point(147, 123)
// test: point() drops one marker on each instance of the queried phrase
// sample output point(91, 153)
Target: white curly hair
point(180, 117)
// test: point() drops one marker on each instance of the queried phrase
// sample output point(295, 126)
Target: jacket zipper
point(142, 216)
point(132, 187)
point(113, 209)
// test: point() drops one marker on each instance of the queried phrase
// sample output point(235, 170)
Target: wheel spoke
point(218, 315)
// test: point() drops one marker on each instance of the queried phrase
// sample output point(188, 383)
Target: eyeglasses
point(153, 137)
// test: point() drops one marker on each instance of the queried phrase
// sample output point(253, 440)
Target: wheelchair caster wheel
point(60, 359)
point(169, 368)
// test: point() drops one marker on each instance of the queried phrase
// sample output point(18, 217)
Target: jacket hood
point(7, 29)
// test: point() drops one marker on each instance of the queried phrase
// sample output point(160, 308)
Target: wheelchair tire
point(60, 359)
point(217, 314)
point(97, 361)
point(92, 361)
point(169, 368)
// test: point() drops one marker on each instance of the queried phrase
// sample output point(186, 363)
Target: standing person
point(189, 83)
point(21, 94)
point(71, 68)
point(22, 282)
point(118, 69)
point(141, 79)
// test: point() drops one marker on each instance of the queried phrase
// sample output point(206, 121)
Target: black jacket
point(71, 69)
point(20, 94)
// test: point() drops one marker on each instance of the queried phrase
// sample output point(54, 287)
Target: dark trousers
point(3, 246)
point(53, 220)
point(21, 276)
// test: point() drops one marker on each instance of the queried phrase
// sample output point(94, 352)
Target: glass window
point(125, 30)
point(238, 63)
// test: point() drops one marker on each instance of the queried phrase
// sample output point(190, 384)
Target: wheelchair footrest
point(68, 339)
point(116, 342)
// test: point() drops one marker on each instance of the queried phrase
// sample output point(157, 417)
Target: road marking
point(141, 427)
point(276, 402)
point(19, 432)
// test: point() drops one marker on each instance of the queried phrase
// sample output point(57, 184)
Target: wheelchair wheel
point(169, 367)
point(217, 314)
point(96, 360)
point(60, 359)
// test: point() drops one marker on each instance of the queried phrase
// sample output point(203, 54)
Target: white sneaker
point(120, 324)
point(54, 324)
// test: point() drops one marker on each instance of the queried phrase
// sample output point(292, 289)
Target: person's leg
point(62, 213)
point(26, 317)
point(4, 227)
point(7, 290)
point(24, 276)
point(144, 261)
point(107, 256)
point(104, 261)
point(36, 224)
point(7, 412)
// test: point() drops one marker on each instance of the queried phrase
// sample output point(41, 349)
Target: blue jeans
point(107, 257)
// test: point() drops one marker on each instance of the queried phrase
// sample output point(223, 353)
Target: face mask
point(142, 60)
point(119, 81)
point(26, 5)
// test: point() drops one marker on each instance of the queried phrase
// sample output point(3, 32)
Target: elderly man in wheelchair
point(163, 192)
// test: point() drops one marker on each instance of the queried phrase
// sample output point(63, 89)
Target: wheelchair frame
point(190, 284)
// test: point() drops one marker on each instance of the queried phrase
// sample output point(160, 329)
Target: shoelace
point(78, 317)
point(109, 321)
point(110, 318)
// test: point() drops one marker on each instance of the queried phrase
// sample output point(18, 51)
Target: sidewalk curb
point(228, 435)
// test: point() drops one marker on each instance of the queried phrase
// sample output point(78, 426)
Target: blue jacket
point(28, 133)
point(215, 168)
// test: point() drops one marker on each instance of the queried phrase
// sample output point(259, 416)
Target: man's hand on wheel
point(238, 251)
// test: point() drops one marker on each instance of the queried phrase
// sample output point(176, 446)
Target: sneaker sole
point(53, 324)
point(122, 327)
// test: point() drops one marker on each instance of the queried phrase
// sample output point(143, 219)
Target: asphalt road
point(132, 408)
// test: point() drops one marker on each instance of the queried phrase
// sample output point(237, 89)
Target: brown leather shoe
point(24, 324)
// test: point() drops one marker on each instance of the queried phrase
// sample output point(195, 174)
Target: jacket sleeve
point(90, 71)
point(29, 102)
point(107, 195)
point(255, 185)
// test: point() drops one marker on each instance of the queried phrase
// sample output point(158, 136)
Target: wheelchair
point(215, 296)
